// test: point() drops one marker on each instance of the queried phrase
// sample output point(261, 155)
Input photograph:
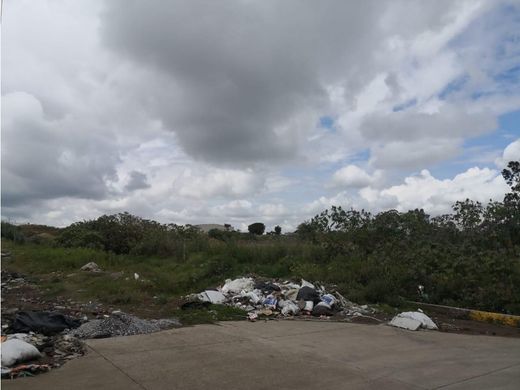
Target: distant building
point(206, 227)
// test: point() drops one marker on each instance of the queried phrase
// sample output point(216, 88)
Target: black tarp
point(45, 322)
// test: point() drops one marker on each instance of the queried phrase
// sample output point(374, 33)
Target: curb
point(470, 314)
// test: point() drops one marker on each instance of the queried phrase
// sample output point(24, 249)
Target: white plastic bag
point(17, 351)
point(237, 285)
point(417, 317)
point(215, 297)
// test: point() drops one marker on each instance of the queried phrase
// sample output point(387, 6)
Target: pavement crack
point(476, 376)
point(118, 368)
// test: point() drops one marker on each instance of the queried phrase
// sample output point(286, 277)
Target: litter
point(309, 305)
point(15, 350)
point(91, 267)
point(25, 370)
point(270, 302)
point(307, 284)
point(413, 320)
point(238, 285)
point(322, 309)
point(212, 296)
point(270, 298)
point(47, 323)
point(307, 293)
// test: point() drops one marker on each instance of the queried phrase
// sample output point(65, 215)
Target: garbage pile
point(38, 341)
point(266, 298)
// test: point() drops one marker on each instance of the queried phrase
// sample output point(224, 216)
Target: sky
point(242, 111)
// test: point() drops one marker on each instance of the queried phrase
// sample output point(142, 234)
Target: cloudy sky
point(243, 111)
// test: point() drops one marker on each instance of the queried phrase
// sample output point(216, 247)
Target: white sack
point(17, 351)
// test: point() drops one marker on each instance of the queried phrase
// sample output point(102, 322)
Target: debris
point(266, 287)
point(307, 293)
point(238, 285)
point(6, 254)
point(322, 309)
point(212, 296)
point(16, 350)
point(136, 276)
point(91, 267)
point(44, 322)
point(24, 370)
point(413, 320)
point(405, 323)
point(270, 302)
point(307, 284)
point(289, 308)
point(121, 324)
point(268, 298)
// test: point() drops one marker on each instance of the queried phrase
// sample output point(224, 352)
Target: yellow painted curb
point(504, 319)
point(475, 315)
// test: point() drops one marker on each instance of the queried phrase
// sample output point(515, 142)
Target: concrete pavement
point(289, 355)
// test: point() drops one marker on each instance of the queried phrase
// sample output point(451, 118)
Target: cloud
point(217, 182)
point(193, 112)
point(511, 153)
point(137, 181)
point(45, 159)
point(352, 176)
point(437, 196)
point(238, 78)
point(404, 154)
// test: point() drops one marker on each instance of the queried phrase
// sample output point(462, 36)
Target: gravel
point(121, 324)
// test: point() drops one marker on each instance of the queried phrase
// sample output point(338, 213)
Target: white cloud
point(511, 153)
point(437, 196)
point(353, 176)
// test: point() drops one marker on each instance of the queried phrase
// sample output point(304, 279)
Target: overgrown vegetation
point(469, 258)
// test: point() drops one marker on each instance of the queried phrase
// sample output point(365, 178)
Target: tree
point(512, 178)
point(257, 228)
point(277, 230)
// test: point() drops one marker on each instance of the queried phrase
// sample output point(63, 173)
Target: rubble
point(270, 298)
point(121, 324)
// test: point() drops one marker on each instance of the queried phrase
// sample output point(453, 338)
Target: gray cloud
point(240, 71)
point(137, 181)
point(45, 159)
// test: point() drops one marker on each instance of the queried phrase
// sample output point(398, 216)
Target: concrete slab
point(289, 355)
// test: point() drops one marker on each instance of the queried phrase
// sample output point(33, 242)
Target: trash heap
point(41, 339)
point(266, 298)
point(38, 341)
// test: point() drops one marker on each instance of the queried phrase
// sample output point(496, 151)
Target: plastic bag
point(15, 350)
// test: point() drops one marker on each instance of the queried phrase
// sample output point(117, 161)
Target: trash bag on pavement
point(413, 320)
point(47, 323)
point(15, 350)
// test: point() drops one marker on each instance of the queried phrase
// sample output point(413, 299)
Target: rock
point(91, 267)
